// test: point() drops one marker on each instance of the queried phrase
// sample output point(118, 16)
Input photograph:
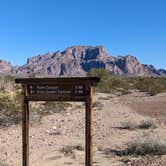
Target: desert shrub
point(122, 85)
point(151, 85)
point(6, 82)
point(102, 73)
point(129, 125)
point(56, 107)
point(11, 103)
point(10, 109)
point(39, 110)
point(108, 82)
point(69, 150)
point(147, 144)
point(147, 124)
point(98, 104)
point(144, 124)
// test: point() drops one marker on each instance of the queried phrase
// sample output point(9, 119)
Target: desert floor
point(52, 140)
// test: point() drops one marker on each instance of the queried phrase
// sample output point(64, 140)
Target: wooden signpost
point(57, 89)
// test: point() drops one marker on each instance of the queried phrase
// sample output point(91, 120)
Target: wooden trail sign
point(57, 89)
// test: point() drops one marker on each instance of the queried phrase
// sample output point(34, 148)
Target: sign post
point(58, 89)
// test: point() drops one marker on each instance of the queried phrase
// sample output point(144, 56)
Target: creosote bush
point(144, 124)
point(123, 85)
point(147, 144)
point(6, 83)
point(150, 143)
point(10, 108)
point(147, 124)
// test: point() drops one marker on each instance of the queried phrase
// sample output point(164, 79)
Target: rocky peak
point(162, 72)
point(78, 60)
point(129, 65)
point(5, 67)
point(85, 52)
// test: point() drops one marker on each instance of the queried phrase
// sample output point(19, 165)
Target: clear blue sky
point(32, 27)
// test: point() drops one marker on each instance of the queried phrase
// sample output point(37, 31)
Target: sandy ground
point(67, 129)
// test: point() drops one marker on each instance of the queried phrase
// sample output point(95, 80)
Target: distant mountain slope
point(5, 67)
point(78, 60)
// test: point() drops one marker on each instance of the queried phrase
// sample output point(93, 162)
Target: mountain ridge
point(78, 60)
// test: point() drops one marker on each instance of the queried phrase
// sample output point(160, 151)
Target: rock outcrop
point(78, 60)
point(5, 67)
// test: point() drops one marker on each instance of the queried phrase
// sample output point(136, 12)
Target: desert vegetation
point(10, 108)
point(10, 104)
point(149, 143)
point(69, 150)
point(6, 83)
point(143, 124)
point(10, 95)
point(123, 85)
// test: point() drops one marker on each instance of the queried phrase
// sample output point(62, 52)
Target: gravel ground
point(67, 129)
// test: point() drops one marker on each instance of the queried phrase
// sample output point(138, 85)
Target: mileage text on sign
point(57, 90)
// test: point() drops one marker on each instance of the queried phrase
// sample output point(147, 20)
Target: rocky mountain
point(5, 67)
point(78, 60)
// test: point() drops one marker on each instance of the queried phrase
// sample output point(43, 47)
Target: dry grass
point(144, 124)
point(69, 150)
point(98, 104)
point(150, 143)
point(148, 124)
point(129, 125)
point(147, 144)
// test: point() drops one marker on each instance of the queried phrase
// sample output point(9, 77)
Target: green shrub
point(102, 73)
point(6, 82)
point(144, 124)
point(147, 144)
point(10, 109)
point(151, 85)
point(122, 85)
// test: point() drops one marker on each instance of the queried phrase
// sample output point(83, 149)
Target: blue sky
point(32, 27)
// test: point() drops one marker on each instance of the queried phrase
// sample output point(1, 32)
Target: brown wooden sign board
point(57, 89)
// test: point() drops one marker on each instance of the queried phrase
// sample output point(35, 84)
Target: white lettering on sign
point(57, 90)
